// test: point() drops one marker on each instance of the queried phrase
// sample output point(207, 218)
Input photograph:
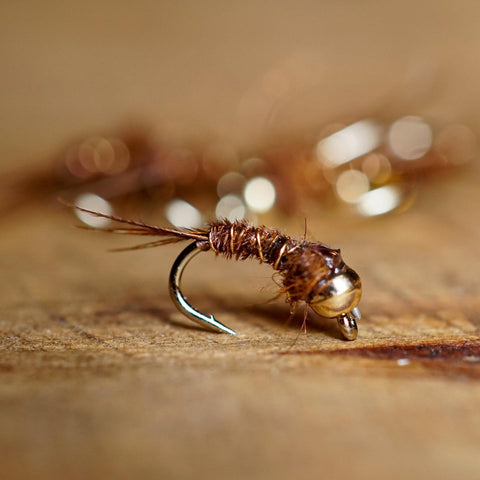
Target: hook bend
point(179, 299)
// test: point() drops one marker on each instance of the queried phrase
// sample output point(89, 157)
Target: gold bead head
point(340, 295)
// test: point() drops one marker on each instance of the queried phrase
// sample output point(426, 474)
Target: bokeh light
point(380, 200)
point(349, 143)
point(259, 194)
point(410, 138)
point(344, 159)
point(97, 155)
point(377, 167)
point(90, 201)
point(182, 214)
point(230, 207)
point(351, 184)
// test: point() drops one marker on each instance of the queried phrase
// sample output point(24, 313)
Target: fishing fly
point(311, 273)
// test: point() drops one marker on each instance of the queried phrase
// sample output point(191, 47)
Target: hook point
point(179, 299)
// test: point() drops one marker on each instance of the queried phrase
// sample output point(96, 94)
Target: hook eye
point(348, 325)
point(179, 299)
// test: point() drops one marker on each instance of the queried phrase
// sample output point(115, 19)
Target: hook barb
point(179, 299)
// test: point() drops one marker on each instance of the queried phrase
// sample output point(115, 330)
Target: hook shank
point(179, 299)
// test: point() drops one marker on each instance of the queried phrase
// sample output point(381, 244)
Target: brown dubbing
point(304, 266)
point(101, 377)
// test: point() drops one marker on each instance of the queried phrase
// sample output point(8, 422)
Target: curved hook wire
point(346, 322)
point(178, 298)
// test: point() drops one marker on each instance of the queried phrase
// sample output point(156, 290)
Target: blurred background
point(360, 116)
point(323, 102)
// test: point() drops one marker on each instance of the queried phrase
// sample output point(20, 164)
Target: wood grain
point(102, 378)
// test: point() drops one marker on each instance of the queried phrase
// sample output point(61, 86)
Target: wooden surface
point(101, 377)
